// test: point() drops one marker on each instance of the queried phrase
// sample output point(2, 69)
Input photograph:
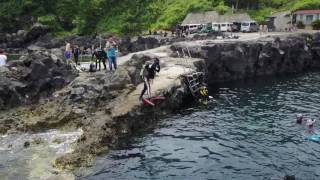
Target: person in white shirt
point(3, 58)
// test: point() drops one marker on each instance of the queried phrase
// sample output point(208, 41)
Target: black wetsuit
point(100, 56)
point(149, 73)
point(75, 52)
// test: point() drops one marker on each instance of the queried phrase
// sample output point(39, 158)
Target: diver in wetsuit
point(203, 95)
point(148, 73)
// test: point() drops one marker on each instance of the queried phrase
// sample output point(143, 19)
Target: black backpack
point(92, 68)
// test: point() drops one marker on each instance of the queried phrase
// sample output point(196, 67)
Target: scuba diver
point(203, 95)
point(100, 56)
point(299, 119)
point(148, 73)
point(310, 123)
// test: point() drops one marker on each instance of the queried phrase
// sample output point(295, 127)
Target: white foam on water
point(34, 161)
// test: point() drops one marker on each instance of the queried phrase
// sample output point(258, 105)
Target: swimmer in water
point(299, 118)
point(310, 123)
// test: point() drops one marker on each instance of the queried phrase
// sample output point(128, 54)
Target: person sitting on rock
point(3, 58)
point(148, 73)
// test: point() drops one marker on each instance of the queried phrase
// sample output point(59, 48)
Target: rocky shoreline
point(38, 37)
point(106, 106)
point(240, 60)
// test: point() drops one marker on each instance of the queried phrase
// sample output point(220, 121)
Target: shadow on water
point(248, 133)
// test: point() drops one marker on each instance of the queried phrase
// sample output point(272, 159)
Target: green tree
point(316, 25)
point(222, 8)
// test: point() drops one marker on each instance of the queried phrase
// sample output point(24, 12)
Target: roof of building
point(213, 16)
point(316, 11)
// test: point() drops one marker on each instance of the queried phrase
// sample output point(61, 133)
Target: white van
point(249, 26)
point(193, 27)
point(226, 27)
point(215, 27)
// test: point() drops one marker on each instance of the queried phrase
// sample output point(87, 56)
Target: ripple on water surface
point(249, 134)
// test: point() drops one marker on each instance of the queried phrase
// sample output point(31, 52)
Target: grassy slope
point(164, 14)
point(154, 14)
point(125, 17)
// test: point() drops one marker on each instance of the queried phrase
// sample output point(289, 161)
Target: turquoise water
point(249, 134)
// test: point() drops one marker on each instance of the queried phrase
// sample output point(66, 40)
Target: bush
point(51, 21)
point(306, 4)
point(300, 25)
point(316, 25)
point(260, 14)
point(221, 8)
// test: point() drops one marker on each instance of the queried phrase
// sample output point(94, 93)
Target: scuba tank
point(144, 71)
point(92, 67)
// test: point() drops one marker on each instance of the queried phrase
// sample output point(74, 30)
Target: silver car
point(249, 26)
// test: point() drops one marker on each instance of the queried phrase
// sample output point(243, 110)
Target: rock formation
point(242, 60)
point(37, 75)
point(106, 105)
point(22, 38)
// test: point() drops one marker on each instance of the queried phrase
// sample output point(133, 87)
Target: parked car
point(193, 31)
point(225, 27)
point(207, 28)
point(216, 27)
point(193, 28)
point(249, 26)
point(236, 27)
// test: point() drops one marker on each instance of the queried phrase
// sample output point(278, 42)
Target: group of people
point(72, 50)
point(109, 53)
point(308, 122)
point(3, 58)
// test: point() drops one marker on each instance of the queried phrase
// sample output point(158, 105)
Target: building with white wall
point(306, 16)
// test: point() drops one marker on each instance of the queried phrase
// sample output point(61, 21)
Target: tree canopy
point(126, 16)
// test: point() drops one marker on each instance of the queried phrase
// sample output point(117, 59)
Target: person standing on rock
point(68, 53)
point(148, 73)
point(3, 58)
point(112, 55)
point(75, 52)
